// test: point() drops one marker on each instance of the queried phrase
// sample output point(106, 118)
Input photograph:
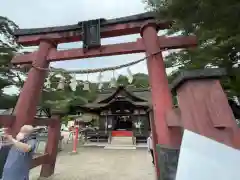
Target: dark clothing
point(4, 150)
point(18, 163)
point(151, 151)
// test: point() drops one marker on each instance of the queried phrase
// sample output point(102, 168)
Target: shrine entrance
point(123, 123)
point(122, 111)
point(165, 124)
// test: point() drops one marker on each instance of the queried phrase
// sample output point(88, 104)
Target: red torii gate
point(49, 38)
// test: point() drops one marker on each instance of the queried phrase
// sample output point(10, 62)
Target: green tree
point(140, 80)
point(215, 25)
point(122, 80)
point(8, 48)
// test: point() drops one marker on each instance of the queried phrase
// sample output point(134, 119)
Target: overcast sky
point(42, 13)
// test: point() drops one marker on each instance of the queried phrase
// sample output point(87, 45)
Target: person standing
point(18, 163)
point(150, 146)
point(4, 150)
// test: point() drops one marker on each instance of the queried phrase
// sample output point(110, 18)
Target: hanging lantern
point(48, 83)
point(86, 85)
point(61, 83)
point(130, 76)
point(73, 84)
point(100, 85)
point(100, 77)
point(50, 74)
point(113, 82)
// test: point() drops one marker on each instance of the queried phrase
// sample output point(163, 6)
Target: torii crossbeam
point(109, 50)
point(145, 24)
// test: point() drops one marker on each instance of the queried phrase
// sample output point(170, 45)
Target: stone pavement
point(102, 164)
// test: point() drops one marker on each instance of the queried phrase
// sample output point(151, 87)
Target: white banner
point(205, 159)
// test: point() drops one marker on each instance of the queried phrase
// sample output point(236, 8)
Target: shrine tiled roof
point(100, 105)
point(142, 93)
point(105, 98)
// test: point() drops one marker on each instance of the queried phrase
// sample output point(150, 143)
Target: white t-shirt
point(149, 143)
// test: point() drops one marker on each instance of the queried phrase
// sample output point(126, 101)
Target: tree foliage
point(53, 98)
point(140, 80)
point(215, 23)
point(8, 48)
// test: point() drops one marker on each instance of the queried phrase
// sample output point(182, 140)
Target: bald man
point(18, 162)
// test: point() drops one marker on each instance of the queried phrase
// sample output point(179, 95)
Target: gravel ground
point(101, 164)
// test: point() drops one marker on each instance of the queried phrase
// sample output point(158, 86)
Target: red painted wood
point(173, 118)
point(73, 36)
point(7, 120)
point(236, 139)
point(39, 160)
point(176, 42)
point(218, 106)
point(44, 121)
point(26, 105)
point(122, 133)
point(161, 95)
point(75, 142)
point(109, 50)
point(205, 110)
point(51, 148)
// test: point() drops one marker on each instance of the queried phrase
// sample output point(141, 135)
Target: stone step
point(110, 146)
point(122, 141)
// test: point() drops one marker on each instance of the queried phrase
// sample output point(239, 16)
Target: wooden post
point(52, 147)
point(166, 138)
point(32, 89)
point(75, 140)
point(204, 105)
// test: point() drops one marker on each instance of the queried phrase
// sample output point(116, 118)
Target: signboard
point(205, 159)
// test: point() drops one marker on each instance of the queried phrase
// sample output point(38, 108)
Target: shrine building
point(122, 111)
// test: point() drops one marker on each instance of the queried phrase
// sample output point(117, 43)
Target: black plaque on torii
point(91, 33)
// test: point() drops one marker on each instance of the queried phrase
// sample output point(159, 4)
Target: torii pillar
point(167, 140)
point(32, 89)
